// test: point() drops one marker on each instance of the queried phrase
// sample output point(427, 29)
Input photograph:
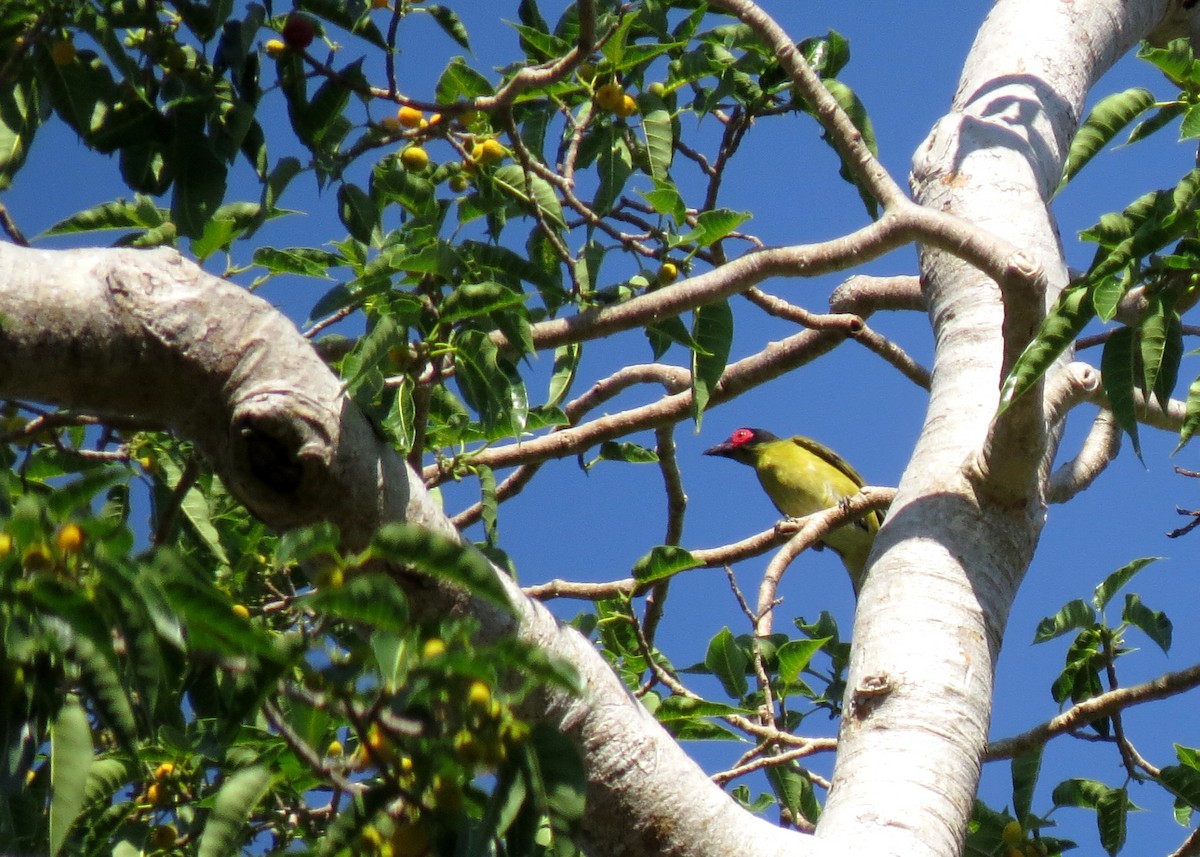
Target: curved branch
point(1097, 451)
point(812, 528)
point(845, 138)
point(151, 334)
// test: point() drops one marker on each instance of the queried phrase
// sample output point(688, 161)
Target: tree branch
point(149, 333)
point(1104, 705)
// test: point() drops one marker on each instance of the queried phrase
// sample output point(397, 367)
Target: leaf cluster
point(197, 694)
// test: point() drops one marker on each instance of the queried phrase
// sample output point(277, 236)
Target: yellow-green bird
point(802, 476)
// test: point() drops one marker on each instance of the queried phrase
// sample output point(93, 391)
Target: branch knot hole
point(270, 451)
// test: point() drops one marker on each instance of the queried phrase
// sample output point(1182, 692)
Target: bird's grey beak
point(721, 449)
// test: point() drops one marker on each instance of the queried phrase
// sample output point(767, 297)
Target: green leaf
point(303, 261)
point(489, 505)
point(1174, 59)
point(225, 830)
point(489, 383)
point(795, 655)
point(1070, 314)
point(1107, 296)
point(1189, 756)
point(630, 453)
point(1189, 128)
point(1025, 770)
point(566, 364)
point(679, 708)
point(1112, 812)
point(440, 557)
point(729, 662)
point(1183, 782)
point(476, 300)
point(460, 82)
point(665, 199)
point(370, 598)
point(450, 23)
point(207, 613)
point(712, 226)
point(415, 193)
point(614, 165)
point(1117, 368)
point(532, 191)
point(90, 636)
point(195, 510)
point(1112, 584)
point(713, 332)
point(827, 54)
point(673, 330)
point(662, 562)
point(1161, 118)
point(1078, 792)
point(357, 212)
point(659, 135)
point(1191, 419)
point(19, 121)
point(199, 173)
point(84, 490)
point(108, 776)
point(70, 761)
point(141, 213)
point(857, 111)
point(306, 543)
point(1101, 127)
point(371, 352)
point(1073, 615)
point(794, 791)
point(1162, 351)
point(1154, 623)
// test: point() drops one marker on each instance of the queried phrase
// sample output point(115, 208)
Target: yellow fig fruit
point(414, 158)
point(410, 117)
point(609, 96)
point(69, 539)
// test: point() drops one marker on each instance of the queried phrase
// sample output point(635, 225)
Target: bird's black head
point(741, 443)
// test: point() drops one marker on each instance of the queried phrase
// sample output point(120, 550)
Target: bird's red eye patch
point(742, 435)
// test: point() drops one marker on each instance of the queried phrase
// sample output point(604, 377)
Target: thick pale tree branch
point(1097, 451)
point(961, 532)
point(149, 334)
point(864, 294)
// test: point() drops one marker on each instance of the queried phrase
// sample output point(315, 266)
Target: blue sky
point(593, 526)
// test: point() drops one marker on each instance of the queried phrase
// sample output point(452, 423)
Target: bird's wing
point(871, 521)
point(821, 451)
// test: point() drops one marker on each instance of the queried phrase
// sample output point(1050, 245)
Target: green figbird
point(802, 476)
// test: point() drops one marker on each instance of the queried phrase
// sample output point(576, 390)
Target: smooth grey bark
point(962, 531)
